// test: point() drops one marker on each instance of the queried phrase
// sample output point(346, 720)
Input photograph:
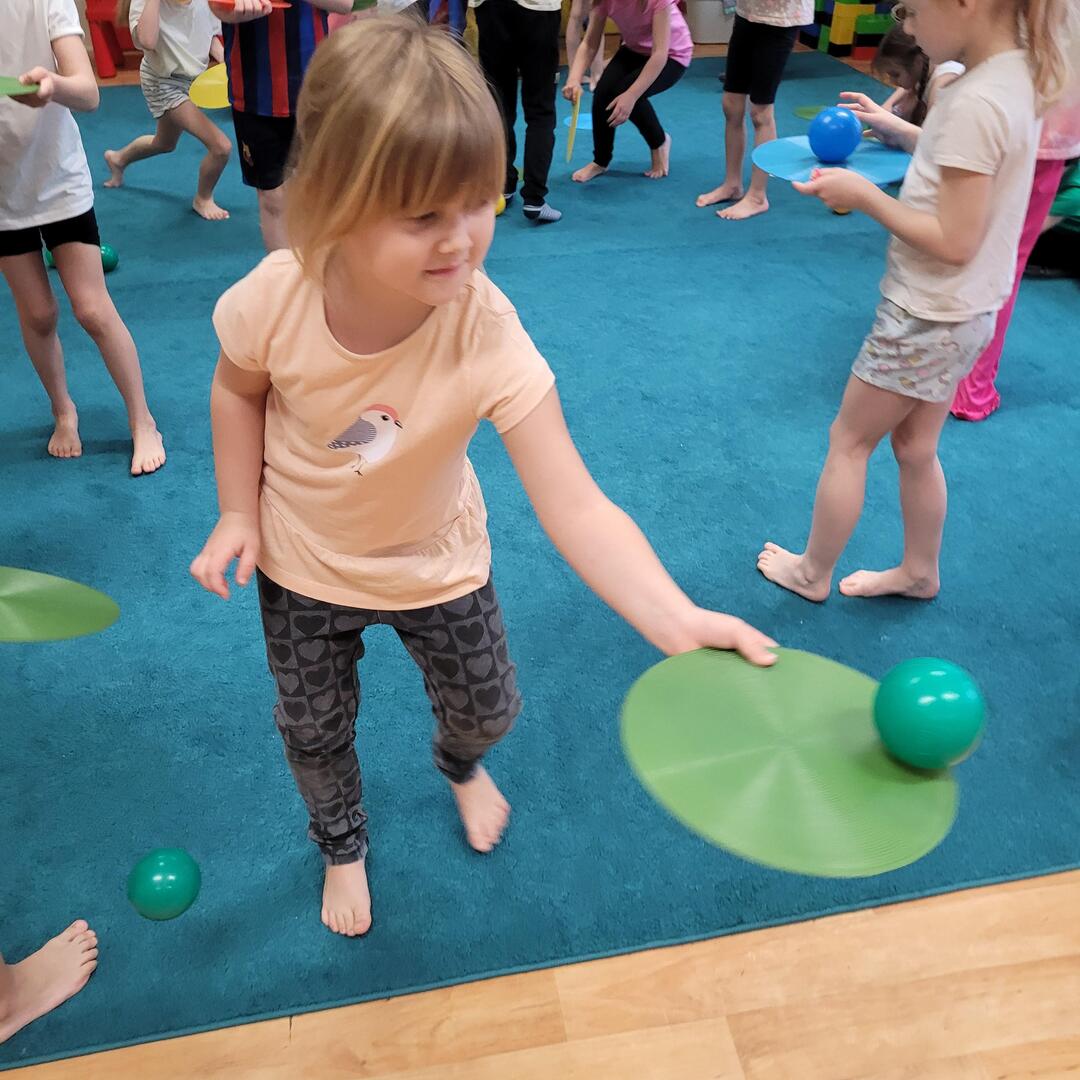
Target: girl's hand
point(46, 81)
point(572, 90)
point(235, 536)
point(620, 109)
point(838, 189)
point(242, 11)
point(714, 630)
point(884, 122)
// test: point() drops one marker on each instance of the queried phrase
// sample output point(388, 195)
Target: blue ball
point(835, 135)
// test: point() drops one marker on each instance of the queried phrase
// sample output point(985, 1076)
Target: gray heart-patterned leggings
point(313, 648)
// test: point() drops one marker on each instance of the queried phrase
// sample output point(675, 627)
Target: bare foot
point(786, 570)
point(588, 172)
point(207, 208)
point(346, 902)
point(116, 170)
point(728, 191)
point(747, 207)
point(149, 450)
point(47, 978)
point(484, 812)
point(65, 441)
point(894, 582)
point(661, 159)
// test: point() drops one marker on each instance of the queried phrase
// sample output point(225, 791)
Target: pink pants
point(976, 397)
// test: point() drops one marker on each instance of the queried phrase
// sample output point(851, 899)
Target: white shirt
point(184, 36)
point(44, 177)
point(777, 12)
point(529, 5)
point(985, 123)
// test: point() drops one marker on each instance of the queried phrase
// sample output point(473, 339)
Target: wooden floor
point(979, 985)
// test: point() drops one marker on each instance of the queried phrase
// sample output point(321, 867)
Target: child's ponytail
point(1050, 30)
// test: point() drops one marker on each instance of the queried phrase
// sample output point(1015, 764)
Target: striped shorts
point(163, 92)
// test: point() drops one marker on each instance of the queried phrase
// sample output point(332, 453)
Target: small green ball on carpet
point(164, 883)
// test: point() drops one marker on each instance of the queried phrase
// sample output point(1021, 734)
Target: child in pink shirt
point(355, 367)
point(655, 53)
point(977, 396)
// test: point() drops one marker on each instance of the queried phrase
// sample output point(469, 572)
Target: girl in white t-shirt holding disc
point(46, 196)
point(177, 38)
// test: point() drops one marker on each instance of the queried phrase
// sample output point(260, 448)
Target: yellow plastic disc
point(211, 89)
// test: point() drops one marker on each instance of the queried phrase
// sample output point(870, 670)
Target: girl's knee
point(913, 451)
point(41, 316)
point(762, 115)
point(94, 311)
point(844, 439)
point(221, 148)
point(734, 108)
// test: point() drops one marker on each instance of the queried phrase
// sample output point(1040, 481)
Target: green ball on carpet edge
point(929, 713)
point(164, 883)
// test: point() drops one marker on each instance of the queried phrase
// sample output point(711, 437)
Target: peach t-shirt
point(367, 497)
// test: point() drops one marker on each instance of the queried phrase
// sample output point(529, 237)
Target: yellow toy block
point(843, 22)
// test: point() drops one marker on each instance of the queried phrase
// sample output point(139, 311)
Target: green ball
point(164, 883)
point(109, 258)
point(929, 713)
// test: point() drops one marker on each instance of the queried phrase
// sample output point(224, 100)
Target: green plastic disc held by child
point(164, 883)
point(929, 713)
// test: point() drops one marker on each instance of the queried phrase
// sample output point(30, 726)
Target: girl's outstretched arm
point(954, 234)
point(607, 549)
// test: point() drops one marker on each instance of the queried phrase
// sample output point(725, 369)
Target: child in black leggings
point(654, 55)
point(761, 42)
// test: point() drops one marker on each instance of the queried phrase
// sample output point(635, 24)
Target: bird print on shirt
point(370, 438)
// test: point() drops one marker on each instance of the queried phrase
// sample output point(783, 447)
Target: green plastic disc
point(808, 112)
point(781, 765)
point(40, 607)
point(11, 87)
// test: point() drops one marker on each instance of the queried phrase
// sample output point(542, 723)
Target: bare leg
point(924, 501)
point(188, 117)
point(735, 151)
point(84, 282)
point(163, 141)
point(866, 415)
point(47, 978)
point(272, 218)
point(763, 117)
point(37, 310)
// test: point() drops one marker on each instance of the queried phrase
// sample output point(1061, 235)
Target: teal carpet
point(700, 364)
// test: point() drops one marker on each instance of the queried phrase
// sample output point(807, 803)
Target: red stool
point(109, 40)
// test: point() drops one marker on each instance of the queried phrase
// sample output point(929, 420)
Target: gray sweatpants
point(313, 648)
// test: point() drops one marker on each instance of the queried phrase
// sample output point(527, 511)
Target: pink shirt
point(635, 25)
point(1061, 129)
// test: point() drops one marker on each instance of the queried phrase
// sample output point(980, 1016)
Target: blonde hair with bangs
point(394, 120)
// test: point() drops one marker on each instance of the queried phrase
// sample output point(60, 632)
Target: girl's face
point(936, 26)
point(897, 76)
point(427, 258)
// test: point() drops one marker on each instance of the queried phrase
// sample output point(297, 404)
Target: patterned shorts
point(163, 92)
point(919, 358)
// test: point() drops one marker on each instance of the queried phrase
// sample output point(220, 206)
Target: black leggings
point(619, 75)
